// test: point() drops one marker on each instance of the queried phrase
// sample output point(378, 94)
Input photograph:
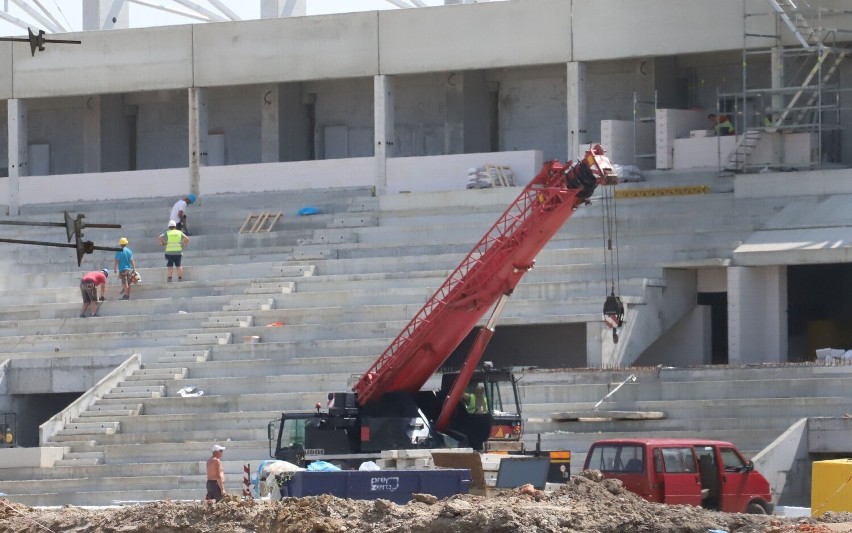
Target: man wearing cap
point(125, 266)
point(91, 285)
point(174, 240)
point(215, 474)
point(178, 213)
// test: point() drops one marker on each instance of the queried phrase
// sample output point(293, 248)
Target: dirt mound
point(585, 504)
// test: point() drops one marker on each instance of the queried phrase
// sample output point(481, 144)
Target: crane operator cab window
point(475, 400)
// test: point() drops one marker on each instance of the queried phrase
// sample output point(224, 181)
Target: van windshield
point(617, 458)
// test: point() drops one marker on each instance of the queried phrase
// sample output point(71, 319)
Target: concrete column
point(105, 15)
point(577, 112)
point(383, 124)
point(197, 136)
point(92, 134)
point(269, 124)
point(594, 343)
point(454, 120)
point(757, 315)
point(271, 9)
point(18, 165)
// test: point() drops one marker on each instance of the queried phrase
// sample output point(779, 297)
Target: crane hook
point(613, 314)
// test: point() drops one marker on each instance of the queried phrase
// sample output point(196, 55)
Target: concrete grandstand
point(734, 255)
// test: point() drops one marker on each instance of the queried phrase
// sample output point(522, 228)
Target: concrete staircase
point(323, 296)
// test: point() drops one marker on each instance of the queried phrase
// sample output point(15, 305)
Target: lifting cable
point(613, 311)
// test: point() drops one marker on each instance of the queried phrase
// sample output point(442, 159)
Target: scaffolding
point(790, 84)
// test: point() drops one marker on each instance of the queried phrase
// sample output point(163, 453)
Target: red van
point(708, 473)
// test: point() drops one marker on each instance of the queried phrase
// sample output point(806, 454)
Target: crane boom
point(491, 270)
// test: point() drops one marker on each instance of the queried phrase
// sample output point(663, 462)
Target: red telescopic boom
point(490, 271)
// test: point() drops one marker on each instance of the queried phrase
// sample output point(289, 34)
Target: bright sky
point(69, 12)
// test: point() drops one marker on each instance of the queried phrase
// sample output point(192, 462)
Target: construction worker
point(125, 266)
point(178, 213)
point(721, 125)
point(93, 290)
point(174, 240)
point(476, 402)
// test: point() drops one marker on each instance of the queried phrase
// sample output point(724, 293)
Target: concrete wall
point(617, 138)
point(794, 184)
point(51, 375)
point(757, 315)
point(687, 343)
point(787, 466)
point(42, 457)
point(830, 435)
point(674, 124)
point(448, 173)
point(798, 150)
point(421, 174)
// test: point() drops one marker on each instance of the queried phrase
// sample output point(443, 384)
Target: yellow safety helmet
point(122, 241)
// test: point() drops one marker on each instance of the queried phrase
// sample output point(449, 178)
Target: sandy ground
point(584, 504)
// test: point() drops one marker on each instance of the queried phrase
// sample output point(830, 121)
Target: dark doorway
point(819, 309)
point(33, 410)
point(718, 303)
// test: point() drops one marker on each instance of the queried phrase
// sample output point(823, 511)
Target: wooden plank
point(260, 222)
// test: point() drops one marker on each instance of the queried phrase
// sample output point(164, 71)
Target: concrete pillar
point(105, 15)
point(92, 134)
point(271, 9)
point(18, 165)
point(383, 124)
point(594, 344)
point(197, 136)
point(757, 315)
point(454, 120)
point(577, 111)
point(269, 124)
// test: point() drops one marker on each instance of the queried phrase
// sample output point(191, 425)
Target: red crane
point(487, 276)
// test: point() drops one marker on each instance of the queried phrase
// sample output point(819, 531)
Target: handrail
point(106, 384)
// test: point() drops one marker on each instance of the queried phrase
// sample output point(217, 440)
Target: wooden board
point(260, 222)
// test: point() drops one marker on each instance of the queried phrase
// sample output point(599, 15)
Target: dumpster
point(830, 487)
point(394, 485)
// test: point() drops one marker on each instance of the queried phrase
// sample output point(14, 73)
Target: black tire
point(755, 508)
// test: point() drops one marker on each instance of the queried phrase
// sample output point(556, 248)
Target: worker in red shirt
point(93, 290)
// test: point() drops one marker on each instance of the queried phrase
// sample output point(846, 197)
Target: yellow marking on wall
point(663, 191)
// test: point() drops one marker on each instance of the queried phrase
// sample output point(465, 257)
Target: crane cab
point(490, 419)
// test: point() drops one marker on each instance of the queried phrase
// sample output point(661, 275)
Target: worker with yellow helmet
point(125, 265)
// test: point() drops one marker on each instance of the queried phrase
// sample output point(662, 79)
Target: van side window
point(627, 458)
point(677, 460)
point(732, 460)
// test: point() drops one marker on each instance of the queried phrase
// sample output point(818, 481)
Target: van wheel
point(755, 508)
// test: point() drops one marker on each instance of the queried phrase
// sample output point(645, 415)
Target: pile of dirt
point(586, 503)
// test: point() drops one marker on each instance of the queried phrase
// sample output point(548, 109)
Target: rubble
point(586, 503)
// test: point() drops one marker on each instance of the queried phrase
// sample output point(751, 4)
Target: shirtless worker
point(215, 474)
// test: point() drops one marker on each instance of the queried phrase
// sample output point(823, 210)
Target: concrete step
point(146, 374)
point(228, 322)
point(250, 304)
point(183, 356)
point(78, 462)
point(195, 339)
point(271, 287)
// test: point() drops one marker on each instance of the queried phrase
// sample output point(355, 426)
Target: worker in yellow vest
point(175, 241)
point(476, 402)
